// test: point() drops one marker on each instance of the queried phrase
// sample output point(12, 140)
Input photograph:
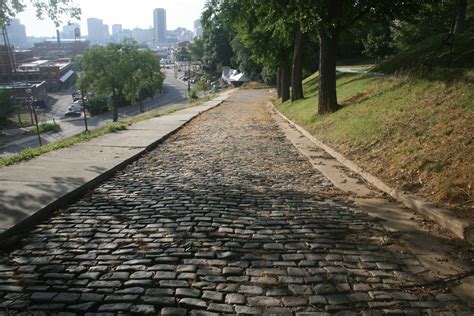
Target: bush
point(116, 127)
point(97, 106)
point(7, 107)
point(44, 128)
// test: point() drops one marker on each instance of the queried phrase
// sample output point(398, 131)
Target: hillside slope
point(417, 134)
point(432, 53)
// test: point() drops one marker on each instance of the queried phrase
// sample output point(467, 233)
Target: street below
point(173, 92)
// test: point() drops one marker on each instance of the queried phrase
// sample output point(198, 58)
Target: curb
point(439, 215)
point(10, 236)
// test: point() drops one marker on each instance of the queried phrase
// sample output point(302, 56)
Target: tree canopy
point(121, 72)
point(274, 32)
point(56, 10)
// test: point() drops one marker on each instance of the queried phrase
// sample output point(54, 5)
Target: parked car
point(72, 114)
point(75, 107)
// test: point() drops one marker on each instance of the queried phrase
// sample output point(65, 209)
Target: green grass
point(44, 128)
point(404, 129)
point(428, 52)
point(86, 136)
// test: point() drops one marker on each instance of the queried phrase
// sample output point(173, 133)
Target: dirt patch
point(357, 98)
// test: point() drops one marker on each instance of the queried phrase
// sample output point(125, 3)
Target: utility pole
point(84, 109)
point(189, 76)
point(29, 100)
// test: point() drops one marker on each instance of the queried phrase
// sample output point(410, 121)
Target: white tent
point(233, 76)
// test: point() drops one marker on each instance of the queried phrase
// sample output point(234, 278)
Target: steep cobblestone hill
point(224, 217)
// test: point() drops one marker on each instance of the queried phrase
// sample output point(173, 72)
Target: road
point(174, 91)
point(224, 217)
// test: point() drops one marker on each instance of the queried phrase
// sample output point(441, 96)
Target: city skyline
point(180, 13)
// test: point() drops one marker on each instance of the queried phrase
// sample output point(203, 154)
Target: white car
point(75, 107)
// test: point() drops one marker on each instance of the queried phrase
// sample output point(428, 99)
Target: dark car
point(72, 114)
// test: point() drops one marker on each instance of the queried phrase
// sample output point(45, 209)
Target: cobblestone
point(224, 217)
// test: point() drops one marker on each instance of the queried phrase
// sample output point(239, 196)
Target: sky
point(129, 13)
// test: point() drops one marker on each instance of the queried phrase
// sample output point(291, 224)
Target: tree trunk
point(327, 72)
point(461, 8)
point(279, 83)
point(115, 105)
point(297, 70)
point(285, 79)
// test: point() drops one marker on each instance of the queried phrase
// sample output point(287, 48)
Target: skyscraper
point(95, 29)
point(106, 33)
point(17, 33)
point(159, 25)
point(197, 28)
point(69, 31)
point(117, 35)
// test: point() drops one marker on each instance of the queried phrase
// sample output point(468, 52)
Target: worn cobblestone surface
point(224, 217)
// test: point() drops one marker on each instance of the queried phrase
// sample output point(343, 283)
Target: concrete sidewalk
point(29, 190)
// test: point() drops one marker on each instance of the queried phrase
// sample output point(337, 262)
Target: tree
point(56, 10)
point(378, 42)
point(243, 57)
point(183, 54)
point(121, 72)
point(216, 38)
point(297, 69)
point(197, 49)
point(460, 21)
point(432, 18)
point(146, 76)
point(328, 18)
point(7, 107)
point(259, 29)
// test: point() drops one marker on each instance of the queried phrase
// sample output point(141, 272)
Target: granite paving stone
point(224, 216)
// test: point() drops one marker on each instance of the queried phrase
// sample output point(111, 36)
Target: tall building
point(159, 26)
point(106, 33)
point(17, 34)
point(117, 33)
point(142, 36)
point(69, 31)
point(95, 29)
point(197, 29)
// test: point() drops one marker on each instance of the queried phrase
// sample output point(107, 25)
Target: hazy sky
point(129, 13)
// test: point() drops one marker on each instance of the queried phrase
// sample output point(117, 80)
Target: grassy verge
point(44, 128)
point(86, 136)
point(413, 132)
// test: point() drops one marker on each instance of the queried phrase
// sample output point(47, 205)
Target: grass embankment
point(86, 136)
point(415, 133)
point(431, 53)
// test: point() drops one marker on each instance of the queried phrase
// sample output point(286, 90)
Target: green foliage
point(428, 52)
point(183, 54)
point(56, 10)
point(44, 128)
point(116, 127)
point(378, 43)
point(7, 107)
point(121, 72)
point(433, 18)
point(197, 49)
point(216, 39)
point(269, 75)
point(96, 105)
point(243, 58)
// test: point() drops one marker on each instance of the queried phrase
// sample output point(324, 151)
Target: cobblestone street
point(224, 217)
